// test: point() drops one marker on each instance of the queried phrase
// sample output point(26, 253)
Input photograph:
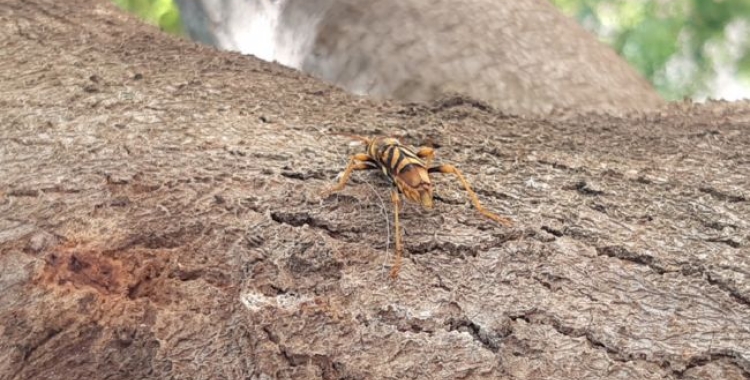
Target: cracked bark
point(168, 225)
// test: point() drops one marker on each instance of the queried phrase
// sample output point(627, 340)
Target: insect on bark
point(409, 171)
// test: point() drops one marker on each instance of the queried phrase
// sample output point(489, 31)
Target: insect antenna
point(361, 139)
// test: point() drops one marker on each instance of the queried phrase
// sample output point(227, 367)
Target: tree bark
point(160, 218)
point(520, 56)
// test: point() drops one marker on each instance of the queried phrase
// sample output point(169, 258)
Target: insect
point(409, 171)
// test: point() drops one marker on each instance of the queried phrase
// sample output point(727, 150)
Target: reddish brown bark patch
point(82, 269)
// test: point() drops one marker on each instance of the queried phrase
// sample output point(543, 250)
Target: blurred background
point(695, 49)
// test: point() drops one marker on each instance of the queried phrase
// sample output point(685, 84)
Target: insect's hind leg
point(450, 169)
point(360, 161)
point(399, 249)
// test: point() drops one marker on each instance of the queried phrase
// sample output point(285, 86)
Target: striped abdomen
point(404, 168)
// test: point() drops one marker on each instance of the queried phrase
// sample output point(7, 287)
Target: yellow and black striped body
point(409, 171)
point(404, 167)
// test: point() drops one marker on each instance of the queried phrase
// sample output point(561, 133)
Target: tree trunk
point(521, 56)
point(160, 218)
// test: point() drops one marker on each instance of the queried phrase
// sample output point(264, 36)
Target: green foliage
point(680, 46)
point(163, 13)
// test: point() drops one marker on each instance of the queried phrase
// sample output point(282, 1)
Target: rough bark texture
point(521, 56)
point(160, 218)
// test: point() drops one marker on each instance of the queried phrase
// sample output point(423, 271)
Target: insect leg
point(450, 169)
point(360, 161)
point(397, 264)
point(427, 154)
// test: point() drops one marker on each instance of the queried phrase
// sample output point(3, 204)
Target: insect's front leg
point(399, 249)
point(360, 161)
point(450, 169)
point(427, 154)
